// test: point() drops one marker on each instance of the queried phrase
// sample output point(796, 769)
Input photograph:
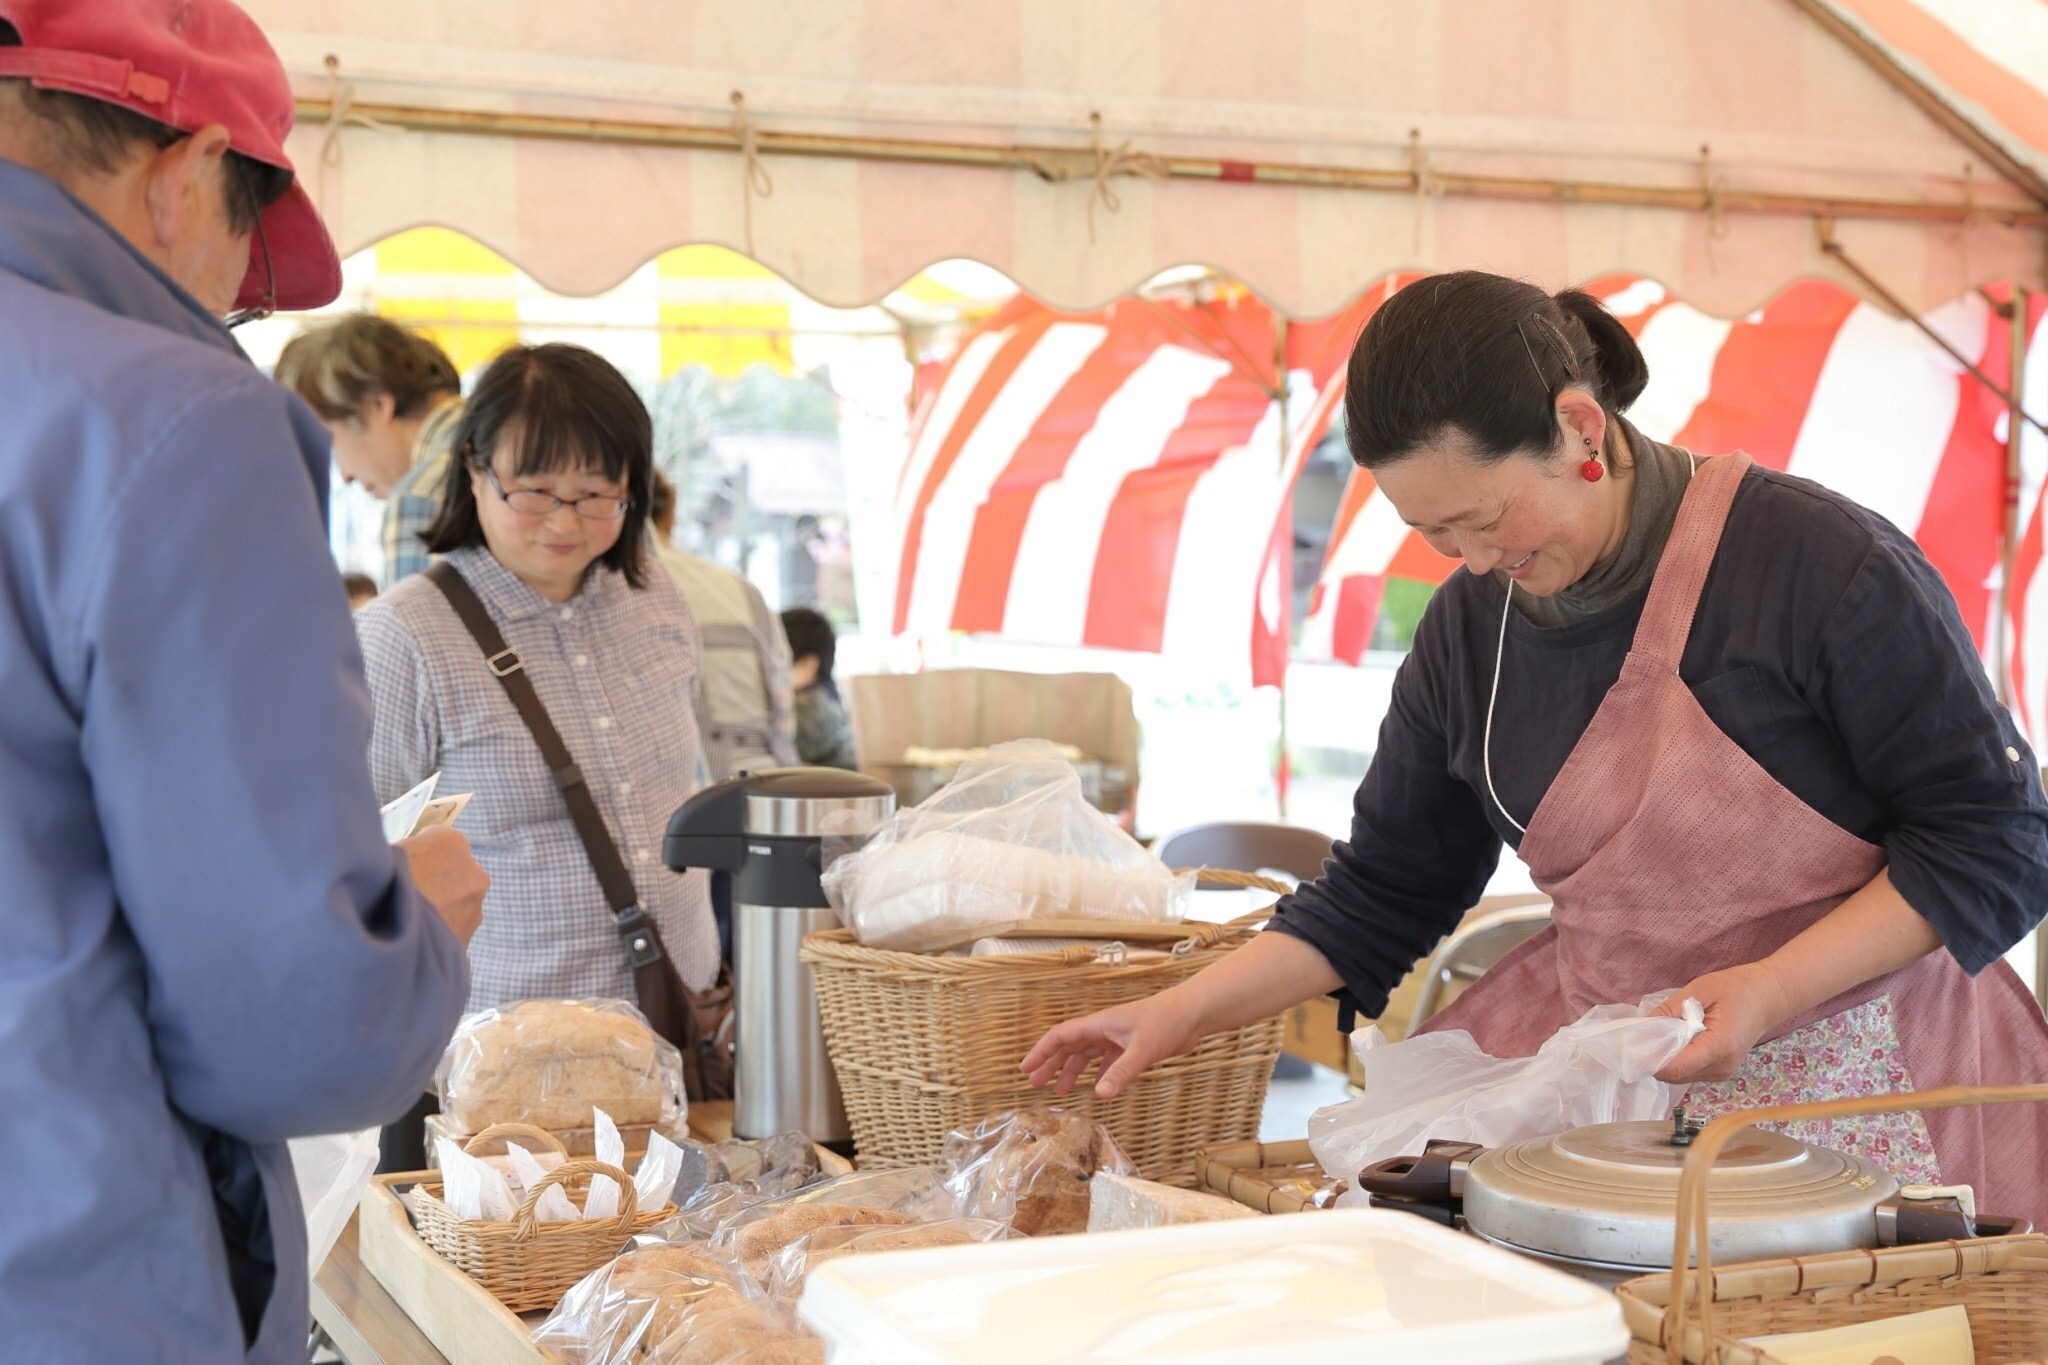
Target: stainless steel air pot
point(776, 831)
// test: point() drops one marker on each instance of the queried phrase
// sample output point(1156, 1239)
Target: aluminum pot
point(1604, 1199)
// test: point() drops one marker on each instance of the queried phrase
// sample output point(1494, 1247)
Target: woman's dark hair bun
point(1484, 356)
point(1621, 361)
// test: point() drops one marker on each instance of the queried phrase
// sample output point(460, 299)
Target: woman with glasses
point(543, 516)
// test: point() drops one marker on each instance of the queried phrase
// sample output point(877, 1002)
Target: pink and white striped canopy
point(1831, 389)
point(1599, 92)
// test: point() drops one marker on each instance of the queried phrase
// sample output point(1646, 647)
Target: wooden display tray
point(386, 1296)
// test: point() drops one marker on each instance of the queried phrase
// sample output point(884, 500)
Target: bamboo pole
point(1064, 164)
point(2015, 428)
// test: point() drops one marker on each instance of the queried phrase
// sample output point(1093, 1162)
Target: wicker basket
point(1272, 1177)
point(2002, 1282)
point(527, 1264)
point(924, 1045)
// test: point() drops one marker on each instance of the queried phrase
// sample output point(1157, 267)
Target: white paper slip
point(442, 810)
point(402, 815)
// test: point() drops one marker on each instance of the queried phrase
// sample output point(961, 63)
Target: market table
point(369, 1328)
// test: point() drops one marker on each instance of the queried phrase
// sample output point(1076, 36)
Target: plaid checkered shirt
point(618, 671)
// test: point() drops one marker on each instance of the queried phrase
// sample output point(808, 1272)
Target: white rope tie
point(1486, 742)
point(1109, 162)
point(341, 114)
point(754, 177)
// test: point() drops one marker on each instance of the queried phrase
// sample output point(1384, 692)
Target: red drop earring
point(1592, 470)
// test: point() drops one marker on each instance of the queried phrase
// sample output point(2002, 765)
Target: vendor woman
point(1732, 722)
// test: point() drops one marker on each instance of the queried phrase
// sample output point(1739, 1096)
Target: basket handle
point(1699, 1162)
point(1205, 935)
point(529, 1224)
point(512, 1130)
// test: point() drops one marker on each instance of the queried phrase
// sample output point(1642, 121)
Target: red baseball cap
point(188, 64)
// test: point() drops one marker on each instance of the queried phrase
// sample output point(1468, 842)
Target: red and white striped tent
point(1116, 478)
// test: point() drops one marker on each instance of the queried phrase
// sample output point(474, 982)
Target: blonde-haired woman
point(389, 398)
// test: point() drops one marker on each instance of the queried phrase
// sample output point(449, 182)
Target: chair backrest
point(1248, 846)
point(1470, 949)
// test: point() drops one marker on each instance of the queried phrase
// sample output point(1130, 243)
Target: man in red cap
point(206, 945)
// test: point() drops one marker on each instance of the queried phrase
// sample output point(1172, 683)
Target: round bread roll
point(757, 1244)
point(548, 1063)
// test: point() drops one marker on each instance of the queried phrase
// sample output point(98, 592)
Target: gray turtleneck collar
point(1660, 475)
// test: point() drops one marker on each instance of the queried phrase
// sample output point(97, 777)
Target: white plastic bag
point(1011, 837)
point(1601, 1069)
point(333, 1171)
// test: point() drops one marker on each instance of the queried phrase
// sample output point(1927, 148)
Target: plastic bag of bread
point(1030, 1169)
point(550, 1062)
point(1010, 838)
point(783, 1277)
point(722, 1330)
point(617, 1314)
point(919, 1193)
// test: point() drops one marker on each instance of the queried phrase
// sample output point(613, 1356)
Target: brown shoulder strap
point(641, 946)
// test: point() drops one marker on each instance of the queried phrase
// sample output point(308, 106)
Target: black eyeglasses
point(532, 502)
point(266, 305)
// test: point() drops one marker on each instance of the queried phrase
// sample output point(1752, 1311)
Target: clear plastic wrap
point(782, 1276)
point(717, 1330)
point(616, 1314)
point(1010, 838)
point(550, 1062)
point(333, 1171)
point(1030, 1169)
point(1118, 1203)
point(1600, 1069)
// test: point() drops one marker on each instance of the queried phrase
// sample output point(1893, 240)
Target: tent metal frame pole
point(2016, 310)
point(1080, 165)
point(1286, 773)
point(1953, 120)
point(1898, 306)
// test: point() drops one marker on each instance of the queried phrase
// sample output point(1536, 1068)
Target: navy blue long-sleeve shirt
point(1825, 645)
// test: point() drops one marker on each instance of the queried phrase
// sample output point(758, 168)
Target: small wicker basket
point(924, 1044)
point(527, 1264)
point(2002, 1282)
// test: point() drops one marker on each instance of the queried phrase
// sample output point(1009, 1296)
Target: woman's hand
point(1128, 1038)
point(1742, 1004)
point(446, 873)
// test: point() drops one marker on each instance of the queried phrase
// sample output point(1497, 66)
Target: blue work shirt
point(206, 946)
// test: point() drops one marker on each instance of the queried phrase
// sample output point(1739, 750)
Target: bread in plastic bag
point(725, 1331)
point(1030, 1169)
point(549, 1062)
point(1117, 1203)
point(619, 1312)
point(1600, 1069)
point(783, 1275)
point(1011, 837)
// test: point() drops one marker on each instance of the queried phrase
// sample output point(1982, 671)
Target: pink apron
point(1669, 853)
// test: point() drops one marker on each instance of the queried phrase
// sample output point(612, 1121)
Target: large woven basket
point(925, 1044)
point(527, 1264)
point(2001, 1282)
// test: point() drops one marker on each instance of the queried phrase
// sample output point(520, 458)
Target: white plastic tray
point(1321, 1287)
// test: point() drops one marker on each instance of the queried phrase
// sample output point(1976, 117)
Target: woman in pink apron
point(1732, 722)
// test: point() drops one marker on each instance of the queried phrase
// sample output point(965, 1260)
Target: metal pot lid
point(810, 802)
point(1609, 1194)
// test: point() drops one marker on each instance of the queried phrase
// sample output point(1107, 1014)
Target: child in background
point(823, 735)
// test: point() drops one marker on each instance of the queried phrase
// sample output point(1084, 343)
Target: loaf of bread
point(615, 1315)
point(550, 1062)
point(1031, 1169)
point(785, 1278)
point(1117, 1202)
point(747, 1332)
point(758, 1243)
